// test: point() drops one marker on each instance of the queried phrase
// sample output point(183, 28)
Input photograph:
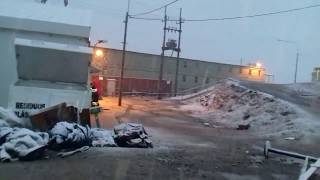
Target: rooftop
point(44, 18)
point(187, 59)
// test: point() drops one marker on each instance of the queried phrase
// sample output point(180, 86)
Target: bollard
point(95, 111)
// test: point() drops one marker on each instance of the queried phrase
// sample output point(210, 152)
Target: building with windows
point(142, 72)
point(316, 74)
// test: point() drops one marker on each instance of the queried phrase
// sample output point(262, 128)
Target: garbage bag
point(102, 138)
point(22, 144)
point(66, 135)
point(9, 118)
point(131, 135)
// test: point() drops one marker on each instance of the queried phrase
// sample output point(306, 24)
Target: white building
point(44, 56)
point(316, 74)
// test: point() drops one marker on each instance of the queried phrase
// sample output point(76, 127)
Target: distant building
point(142, 72)
point(316, 74)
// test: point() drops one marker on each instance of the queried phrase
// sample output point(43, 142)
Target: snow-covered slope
point(229, 104)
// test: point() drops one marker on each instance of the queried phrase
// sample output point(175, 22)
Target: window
point(250, 72)
point(259, 73)
point(197, 64)
point(185, 64)
point(218, 68)
point(240, 70)
point(230, 69)
point(196, 79)
point(184, 78)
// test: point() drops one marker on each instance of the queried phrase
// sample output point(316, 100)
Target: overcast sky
point(220, 41)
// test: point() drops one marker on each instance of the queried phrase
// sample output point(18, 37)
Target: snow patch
point(102, 138)
point(230, 105)
point(21, 143)
point(9, 118)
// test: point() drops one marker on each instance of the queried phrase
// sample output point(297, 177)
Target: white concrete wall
point(8, 61)
point(46, 97)
point(52, 65)
point(8, 65)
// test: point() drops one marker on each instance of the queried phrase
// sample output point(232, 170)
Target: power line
point(154, 10)
point(235, 17)
point(256, 15)
point(148, 19)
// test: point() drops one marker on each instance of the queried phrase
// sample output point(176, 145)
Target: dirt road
point(184, 149)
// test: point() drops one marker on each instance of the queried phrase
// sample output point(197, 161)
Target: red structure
point(98, 84)
point(133, 86)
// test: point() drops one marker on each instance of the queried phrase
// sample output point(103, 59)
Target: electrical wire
point(154, 10)
point(233, 18)
point(148, 19)
point(255, 15)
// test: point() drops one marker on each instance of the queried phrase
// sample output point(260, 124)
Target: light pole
point(95, 50)
point(99, 42)
point(98, 52)
point(297, 56)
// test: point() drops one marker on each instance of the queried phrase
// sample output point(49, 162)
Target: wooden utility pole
point(178, 55)
point(296, 68)
point(162, 54)
point(123, 58)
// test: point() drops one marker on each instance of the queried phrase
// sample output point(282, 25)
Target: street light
point(258, 65)
point(99, 42)
point(297, 56)
point(96, 51)
point(99, 53)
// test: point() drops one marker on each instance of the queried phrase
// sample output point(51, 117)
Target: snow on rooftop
point(44, 12)
point(52, 45)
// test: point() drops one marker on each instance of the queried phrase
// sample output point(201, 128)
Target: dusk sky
point(227, 41)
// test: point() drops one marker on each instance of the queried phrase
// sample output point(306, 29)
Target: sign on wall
point(23, 109)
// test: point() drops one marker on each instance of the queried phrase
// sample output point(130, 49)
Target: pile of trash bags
point(71, 135)
point(131, 135)
point(66, 135)
point(18, 143)
point(102, 138)
point(21, 144)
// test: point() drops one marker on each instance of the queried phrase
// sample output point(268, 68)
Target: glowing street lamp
point(99, 53)
point(258, 65)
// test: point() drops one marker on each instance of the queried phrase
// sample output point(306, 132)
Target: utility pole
point(123, 57)
point(178, 55)
point(162, 54)
point(297, 56)
point(296, 70)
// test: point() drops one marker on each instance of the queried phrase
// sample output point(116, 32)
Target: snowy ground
point(306, 89)
point(229, 105)
point(183, 149)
